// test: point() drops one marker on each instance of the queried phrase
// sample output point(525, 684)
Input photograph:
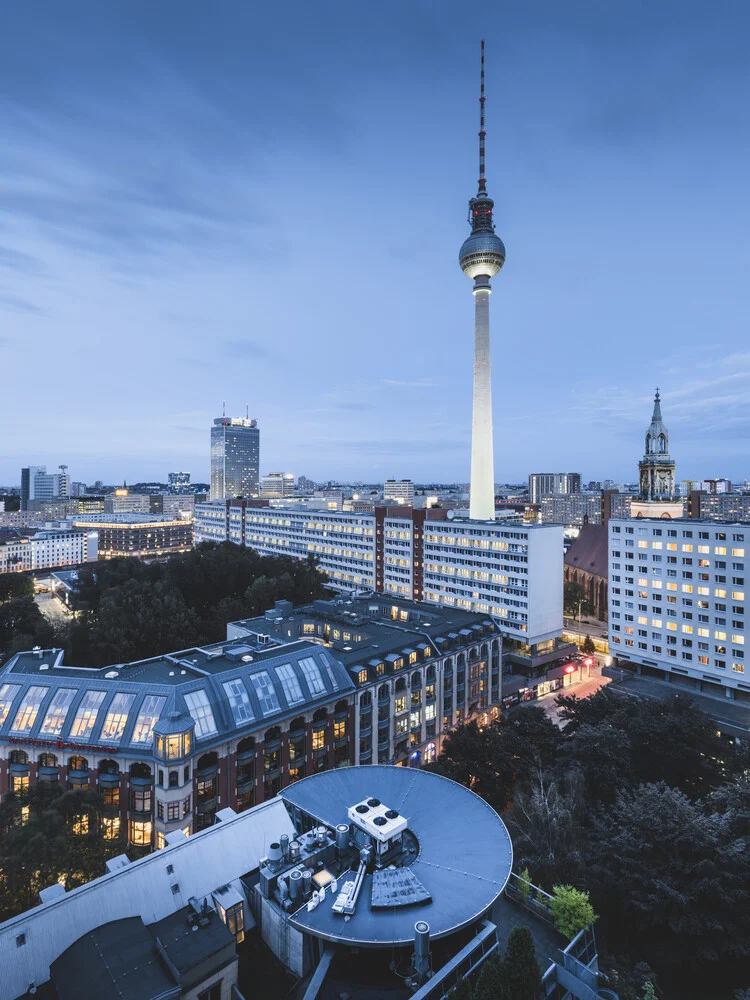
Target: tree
point(649, 993)
point(547, 826)
point(571, 909)
point(22, 626)
point(603, 756)
point(490, 984)
point(672, 882)
point(15, 585)
point(522, 979)
point(470, 755)
point(576, 600)
point(49, 835)
point(587, 646)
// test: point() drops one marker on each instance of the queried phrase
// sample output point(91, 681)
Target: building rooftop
point(225, 687)
point(455, 862)
point(366, 630)
point(588, 552)
point(124, 519)
point(156, 888)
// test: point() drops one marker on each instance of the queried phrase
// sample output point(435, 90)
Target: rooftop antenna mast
point(223, 407)
point(482, 133)
point(247, 411)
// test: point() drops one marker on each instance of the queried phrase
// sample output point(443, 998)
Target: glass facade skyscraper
point(235, 458)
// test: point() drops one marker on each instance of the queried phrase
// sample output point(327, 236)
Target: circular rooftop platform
point(464, 854)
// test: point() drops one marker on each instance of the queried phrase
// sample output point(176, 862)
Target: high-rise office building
point(38, 484)
point(553, 484)
point(179, 482)
point(481, 257)
point(235, 458)
point(277, 485)
point(400, 490)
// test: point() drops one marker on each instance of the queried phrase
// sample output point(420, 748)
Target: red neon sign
point(62, 745)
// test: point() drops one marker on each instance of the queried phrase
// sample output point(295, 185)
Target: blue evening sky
point(263, 204)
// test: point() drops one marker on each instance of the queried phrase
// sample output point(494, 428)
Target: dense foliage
point(49, 835)
point(644, 806)
point(514, 977)
point(127, 609)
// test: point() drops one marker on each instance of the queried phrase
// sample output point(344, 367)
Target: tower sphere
point(481, 253)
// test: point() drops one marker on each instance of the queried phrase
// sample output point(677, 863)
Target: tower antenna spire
point(482, 133)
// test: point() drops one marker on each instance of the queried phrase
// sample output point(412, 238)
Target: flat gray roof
point(464, 855)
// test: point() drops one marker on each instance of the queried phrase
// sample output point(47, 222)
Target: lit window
point(265, 692)
point(238, 700)
point(83, 724)
point(318, 739)
point(720, 635)
point(312, 675)
point(7, 694)
point(148, 716)
point(140, 833)
point(117, 716)
point(58, 709)
point(290, 684)
point(28, 709)
point(200, 710)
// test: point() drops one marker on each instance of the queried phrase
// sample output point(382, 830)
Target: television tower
point(481, 257)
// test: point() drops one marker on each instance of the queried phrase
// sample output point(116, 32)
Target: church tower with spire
point(656, 495)
point(656, 468)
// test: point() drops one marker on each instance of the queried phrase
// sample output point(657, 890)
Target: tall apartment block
point(38, 484)
point(677, 600)
point(235, 458)
point(547, 484)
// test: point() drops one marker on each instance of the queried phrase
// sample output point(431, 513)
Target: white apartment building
point(343, 543)
point(49, 549)
point(677, 600)
point(399, 490)
point(512, 572)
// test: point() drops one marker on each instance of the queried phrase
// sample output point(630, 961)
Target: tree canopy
point(644, 806)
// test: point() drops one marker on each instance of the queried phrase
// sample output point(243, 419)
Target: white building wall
point(510, 571)
point(677, 598)
point(398, 556)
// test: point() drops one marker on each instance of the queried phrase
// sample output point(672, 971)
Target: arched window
point(366, 699)
point(401, 684)
point(140, 770)
point(341, 706)
point(272, 734)
point(448, 665)
point(47, 760)
point(483, 650)
point(416, 679)
point(247, 745)
point(460, 661)
point(208, 760)
point(18, 757)
point(320, 716)
point(78, 764)
point(109, 767)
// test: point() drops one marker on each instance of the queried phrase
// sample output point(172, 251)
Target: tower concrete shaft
point(482, 489)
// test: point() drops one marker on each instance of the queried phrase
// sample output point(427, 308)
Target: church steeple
point(656, 469)
point(657, 438)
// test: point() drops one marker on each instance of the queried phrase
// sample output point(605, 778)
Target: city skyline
point(181, 232)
